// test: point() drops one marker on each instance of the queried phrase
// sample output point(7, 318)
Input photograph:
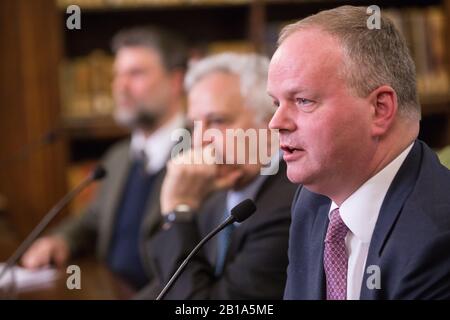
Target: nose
point(282, 120)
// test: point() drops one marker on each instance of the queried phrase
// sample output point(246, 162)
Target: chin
point(301, 175)
point(294, 175)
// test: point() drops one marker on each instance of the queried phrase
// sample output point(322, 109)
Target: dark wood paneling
point(30, 38)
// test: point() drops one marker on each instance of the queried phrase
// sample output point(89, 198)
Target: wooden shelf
point(143, 4)
point(198, 25)
point(93, 128)
point(148, 4)
point(432, 105)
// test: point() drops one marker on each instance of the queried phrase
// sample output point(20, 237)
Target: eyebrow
point(290, 91)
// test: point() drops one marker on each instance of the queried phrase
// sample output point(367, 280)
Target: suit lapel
point(117, 182)
point(318, 231)
point(401, 187)
point(152, 216)
point(265, 188)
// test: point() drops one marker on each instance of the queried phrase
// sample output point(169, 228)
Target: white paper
point(26, 279)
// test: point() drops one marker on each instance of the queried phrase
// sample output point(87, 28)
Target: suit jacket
point(256, 261)
point(94, 229)
point(410, 244)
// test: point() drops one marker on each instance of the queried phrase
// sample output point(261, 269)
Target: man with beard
point(148, 91)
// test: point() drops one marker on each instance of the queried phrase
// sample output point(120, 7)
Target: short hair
point(252, 70)
point(372, 57)
point(171, 48)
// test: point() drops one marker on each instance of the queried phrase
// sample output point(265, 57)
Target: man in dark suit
point(372, 221)
point(226, 94)
point(148, 91)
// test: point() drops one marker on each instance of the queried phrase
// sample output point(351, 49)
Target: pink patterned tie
point(335, 258)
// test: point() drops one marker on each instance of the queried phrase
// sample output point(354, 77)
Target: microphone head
point(98, 173)
point(243, 210)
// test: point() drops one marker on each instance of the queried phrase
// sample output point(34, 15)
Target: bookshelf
point(212, 26)
point(243, 25)
point(45, 62)
point(29, 95)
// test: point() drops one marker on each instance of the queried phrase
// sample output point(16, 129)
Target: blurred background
point(55, 97)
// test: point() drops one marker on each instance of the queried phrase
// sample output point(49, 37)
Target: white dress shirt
point(360, 213)
point(157, 147)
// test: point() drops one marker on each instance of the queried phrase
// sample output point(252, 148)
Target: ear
point(383, 101)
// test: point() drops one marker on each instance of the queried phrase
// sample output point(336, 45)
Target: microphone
point(239, 213)
point(98, 173)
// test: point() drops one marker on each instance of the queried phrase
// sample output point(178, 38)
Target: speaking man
point(372, 221)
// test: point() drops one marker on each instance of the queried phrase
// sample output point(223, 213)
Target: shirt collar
point(360, 211)
point(250, 191)
point(158, 145)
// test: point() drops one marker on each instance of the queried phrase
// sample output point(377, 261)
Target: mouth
point(290, 152)
point(290, 149)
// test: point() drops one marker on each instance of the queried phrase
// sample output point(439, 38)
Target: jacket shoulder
point(431, 192)
point(117, 150)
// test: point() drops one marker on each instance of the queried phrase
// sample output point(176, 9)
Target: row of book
point(86, 81)
point(424, 30)
point(86, 86)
